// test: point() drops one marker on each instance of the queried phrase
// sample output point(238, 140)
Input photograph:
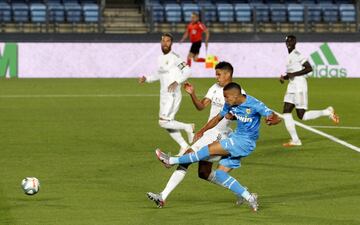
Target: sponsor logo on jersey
point(325, 64)
point(243, 119)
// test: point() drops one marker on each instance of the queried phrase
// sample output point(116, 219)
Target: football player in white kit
point(172, 71)
point(296, 95)
point(215, 98)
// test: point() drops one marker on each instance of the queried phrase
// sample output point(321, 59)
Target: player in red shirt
point(194, 30)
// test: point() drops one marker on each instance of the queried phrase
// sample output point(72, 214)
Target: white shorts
point(209, 137)
point(299, 99)
point(169, 105)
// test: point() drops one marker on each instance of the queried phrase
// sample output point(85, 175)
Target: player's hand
point(289, 76)
point(197, 136)
point(206, 46)
point(142, 79)
point(282, 79)
point(189, 88)
point(172, 87)
point(273, 119)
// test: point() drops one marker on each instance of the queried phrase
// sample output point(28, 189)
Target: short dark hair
point(225, 66)
point(232, 85)
point(291, 36)
point(168, 35)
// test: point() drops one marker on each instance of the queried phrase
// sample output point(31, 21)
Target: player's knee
point(300, 114)
point(163, 123)
point(288, 108)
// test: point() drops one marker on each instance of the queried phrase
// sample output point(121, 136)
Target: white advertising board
point(66, 60)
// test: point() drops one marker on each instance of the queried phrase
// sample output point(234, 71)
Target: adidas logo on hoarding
point(9, 60)
point(325, 64)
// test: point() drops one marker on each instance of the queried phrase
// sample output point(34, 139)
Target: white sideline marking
point(332, 138)
point(79, 96)
point(337, 127)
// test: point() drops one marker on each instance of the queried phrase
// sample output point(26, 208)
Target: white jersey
point(216, 95)
point(295, 63)
point(170, 68)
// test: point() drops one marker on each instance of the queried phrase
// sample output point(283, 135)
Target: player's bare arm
point(186, 34)
point(199, 104)
point(207, 36)
point(210, 124)
point(307, 69)
point(172, 87)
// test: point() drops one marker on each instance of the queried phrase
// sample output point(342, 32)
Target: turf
point(92, 149)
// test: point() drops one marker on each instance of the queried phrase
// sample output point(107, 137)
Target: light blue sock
point(193, 157)
point(224, 179)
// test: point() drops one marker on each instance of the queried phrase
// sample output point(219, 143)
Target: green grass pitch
point(91, 144)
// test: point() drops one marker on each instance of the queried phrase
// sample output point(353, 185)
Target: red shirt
point(195, 31)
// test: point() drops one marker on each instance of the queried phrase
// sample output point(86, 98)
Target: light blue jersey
point(248, 116)
point(243, 140)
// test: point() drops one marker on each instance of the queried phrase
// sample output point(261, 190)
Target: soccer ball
point(30, 185)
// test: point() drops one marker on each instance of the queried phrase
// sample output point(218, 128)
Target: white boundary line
point(332, 138)
point(337, 127)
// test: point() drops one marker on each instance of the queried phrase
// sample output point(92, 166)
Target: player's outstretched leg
point(224, 179)
point(173, 125)
point(314, 114)
point(190, 158)
point(213, 149)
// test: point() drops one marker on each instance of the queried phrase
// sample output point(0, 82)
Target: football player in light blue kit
point(248, 111)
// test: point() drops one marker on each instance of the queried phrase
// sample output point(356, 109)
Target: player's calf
point(205, 169)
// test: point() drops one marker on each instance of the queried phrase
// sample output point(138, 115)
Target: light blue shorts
point(229, 162)
point(238, 147)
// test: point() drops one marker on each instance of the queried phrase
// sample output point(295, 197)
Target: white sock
point(310, 115)
point(176, 135)
point(174, 160)
point(173, 182)
point(246, 195)
point(290, 126)
point(175, 125)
